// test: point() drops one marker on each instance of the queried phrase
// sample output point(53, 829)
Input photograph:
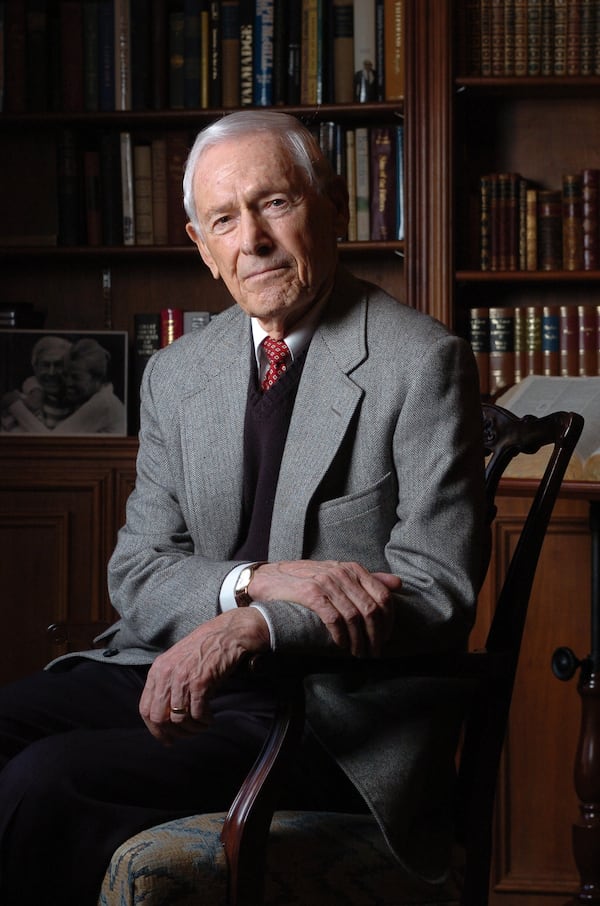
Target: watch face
point(244, 578)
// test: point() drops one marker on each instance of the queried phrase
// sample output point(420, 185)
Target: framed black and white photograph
point(60, 383)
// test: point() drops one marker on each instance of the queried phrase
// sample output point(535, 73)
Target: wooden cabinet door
point(59, 513)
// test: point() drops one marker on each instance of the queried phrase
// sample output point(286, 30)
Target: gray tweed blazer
point(383, 464)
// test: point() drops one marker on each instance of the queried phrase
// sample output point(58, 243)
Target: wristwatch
point(240, 592)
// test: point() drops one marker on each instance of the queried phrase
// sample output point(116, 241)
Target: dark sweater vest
point(265, 431)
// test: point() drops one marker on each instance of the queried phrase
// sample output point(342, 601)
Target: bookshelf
point(541, 127)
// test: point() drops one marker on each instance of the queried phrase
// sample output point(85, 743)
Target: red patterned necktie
point(277, 354)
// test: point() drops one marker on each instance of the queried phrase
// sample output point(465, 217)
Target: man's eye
point(277, 202)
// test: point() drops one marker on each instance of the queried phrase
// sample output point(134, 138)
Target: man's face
point(49, 369)
point(270, 236)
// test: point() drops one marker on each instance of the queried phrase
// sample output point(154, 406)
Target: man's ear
point(202, 248)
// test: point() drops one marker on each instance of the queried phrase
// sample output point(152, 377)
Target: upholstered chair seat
point(345, 857)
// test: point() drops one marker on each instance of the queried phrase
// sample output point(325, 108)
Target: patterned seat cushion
point(322, 859)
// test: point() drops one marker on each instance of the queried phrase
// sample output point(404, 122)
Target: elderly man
point(310, 477)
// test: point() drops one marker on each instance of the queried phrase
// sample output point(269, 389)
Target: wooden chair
point(222, 859)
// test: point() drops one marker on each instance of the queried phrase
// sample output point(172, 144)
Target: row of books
point(526, 228)
point(512, 342)
point(73, 56)
point(126, 189)
point(152, 331)
point(532, 38)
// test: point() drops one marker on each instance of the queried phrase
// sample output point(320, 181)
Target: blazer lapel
point(213, 436)
point(325, 405)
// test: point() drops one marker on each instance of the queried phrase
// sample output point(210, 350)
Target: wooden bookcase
point(61, 502)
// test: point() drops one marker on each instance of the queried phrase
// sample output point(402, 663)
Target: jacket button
point(110, 652)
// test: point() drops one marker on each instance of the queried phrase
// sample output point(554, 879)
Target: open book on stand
point(539, 395)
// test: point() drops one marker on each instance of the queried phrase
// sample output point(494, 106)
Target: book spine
point(106, 56)
point(532, 230)
point(159, 191)
point(520, 329)
point(533, 30)
point(122, 59)
point(522, 32)
point(502, 349)
point(363, 199)
point(91, 60)
point(383, 183)
point(547, 51)
point(192, 46)
point(281, 27)
point(246, 53)
point(195, 320)
point(142, 172)
point(263, 53)
point(549, 229)
point(343, 52)
point(394, 79)
point(573, 53)
point(587, 37)
point(93, 211)
point(479, 337)
point(380, 49)
point(215, 72)
point(560, 37)
point(141, 56)
point(522, 223)
point(470, 62)
point(205, 55)
point(310, 53)
point(36, 55)
point(569, 341)
point(509, 223)
point(587, 341)
point(550, 340)
point(127, 189)
point(485, 24)
point(294, 51)
point(485, 195)
point(69, 195)
point(365, 77)
point(177, 151)
point(572, 225)
point(159, 55)
point(111, 196)
point(400, 195)
point(15, 61)
point(533, 339)
point(590, 178)
point(509, 37)
point(171, 325)
point(176, 60)
point(351, 183)
point(71, 55)
point(497, 27)
point(230, 52)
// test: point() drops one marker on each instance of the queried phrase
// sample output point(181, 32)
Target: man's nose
point(255, 238)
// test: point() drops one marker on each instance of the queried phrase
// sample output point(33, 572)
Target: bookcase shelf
point(174, 252)
point(531, 86)
point(139, 119)
point(550, 277)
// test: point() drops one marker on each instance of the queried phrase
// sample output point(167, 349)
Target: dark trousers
point(80, 774)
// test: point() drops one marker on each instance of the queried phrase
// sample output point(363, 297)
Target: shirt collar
point(297, 340)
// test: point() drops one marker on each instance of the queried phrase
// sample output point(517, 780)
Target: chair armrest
point(246, 827)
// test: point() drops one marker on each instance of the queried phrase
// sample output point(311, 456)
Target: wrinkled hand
point(355, 605)
point(185, 676)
